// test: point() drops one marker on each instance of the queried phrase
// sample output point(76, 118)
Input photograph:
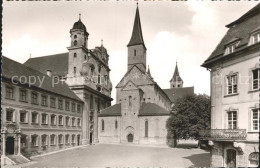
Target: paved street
point(123, 156)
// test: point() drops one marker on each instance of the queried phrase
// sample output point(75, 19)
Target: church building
point(142, 107)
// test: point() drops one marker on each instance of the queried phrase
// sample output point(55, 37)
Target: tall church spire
point(137, 36)
point(176, 81)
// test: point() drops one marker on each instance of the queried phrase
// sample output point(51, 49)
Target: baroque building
point(142, 107)
point(235, 82)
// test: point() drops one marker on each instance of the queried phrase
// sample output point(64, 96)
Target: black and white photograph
point(130, 83)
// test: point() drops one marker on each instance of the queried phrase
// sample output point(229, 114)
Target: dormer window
point(255, 38)
point(231, 48)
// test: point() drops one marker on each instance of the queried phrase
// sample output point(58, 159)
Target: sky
point(186, 32)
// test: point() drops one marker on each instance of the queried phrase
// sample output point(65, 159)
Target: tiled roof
point(176, 74)
point(151, 109)
point(241, 28)
point(11, 68)
point(111, 111)
point(137, 36)
point(57, 63)
point(175, 93)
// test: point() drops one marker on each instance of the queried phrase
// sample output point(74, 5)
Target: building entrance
point(9, 145)
point(231, 158)
point(130, 137)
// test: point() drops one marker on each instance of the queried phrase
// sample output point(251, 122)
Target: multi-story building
point(142, 107)
point(38, 116)
point(235, 83)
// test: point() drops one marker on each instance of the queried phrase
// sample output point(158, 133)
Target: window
point(34, 117)
point(73, 121)
point(10, 115)
point(34, 98)
point(44, 140)
point(67, 121)
point(146, 129)
point(232, 120)
point(23, 95)
point(44, 119)
point(34, 140)
point(60, 104)
point(79, 122)
point(85, 57)
point(23, 116)
point(255, 38)
point(256, 79)
point(67, 106)
point(60, 120)
point(60, 139)
point(67, 139)
point(44, 100)
point(53, 137)
point(75, 36)
point(9, 94)
point(73, 138)
point(130, 101)
point(78, 108)
point(255, 117)
point(53, 119)
point(53, 102)
point(232, 84)
point(75, 55)
point(74, 70)
point(75, 42)
point(135, 52)
point(116, 124)
point(73, 107)
point(103, 125)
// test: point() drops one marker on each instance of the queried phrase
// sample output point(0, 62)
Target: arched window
point(116, 124)
point(75, 36)
point(103, 125)
point(74, 70)
point(75, 55)
point(130, 101)
point(75, 42)
point(85, 57)
point(146, 128)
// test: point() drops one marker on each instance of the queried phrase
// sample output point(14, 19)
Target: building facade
point(234, 68)
point(36, 117)
point(142, 107)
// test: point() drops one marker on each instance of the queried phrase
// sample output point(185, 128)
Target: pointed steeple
point(176, 80)
point(148, 71)
point(137, 36)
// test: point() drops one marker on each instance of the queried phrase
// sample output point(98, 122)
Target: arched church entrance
point(9, 145)
point(130, 137)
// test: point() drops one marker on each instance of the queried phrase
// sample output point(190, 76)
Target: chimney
point(49, 73)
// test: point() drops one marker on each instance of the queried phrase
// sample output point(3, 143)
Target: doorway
point(9, 145)
point(130, 137)
point(90, 138)
point(231, 158)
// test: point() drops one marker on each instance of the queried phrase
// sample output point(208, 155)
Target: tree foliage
point(189, 115)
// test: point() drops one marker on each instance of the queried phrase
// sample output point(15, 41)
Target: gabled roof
point(11, 68)
point(176, 75)
point(57, 63)
point(175, 93)
point(241, 29)
point(137, 36)
point(151, 109)
point(111, 111)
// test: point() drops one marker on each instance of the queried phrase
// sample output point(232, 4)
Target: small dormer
point(254, 36)
point(231, 45)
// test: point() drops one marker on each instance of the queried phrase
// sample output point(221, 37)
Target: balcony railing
point(224, 134)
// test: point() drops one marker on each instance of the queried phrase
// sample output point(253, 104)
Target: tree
point(189, 116)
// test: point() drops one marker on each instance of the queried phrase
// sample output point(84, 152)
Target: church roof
point(175, 93)
point(176, 75)
point(11, 68)
point(137, 36)
point(114, 110)
point(151, 109)
point(57, 63)
point(80, 25)
point(241, 29)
